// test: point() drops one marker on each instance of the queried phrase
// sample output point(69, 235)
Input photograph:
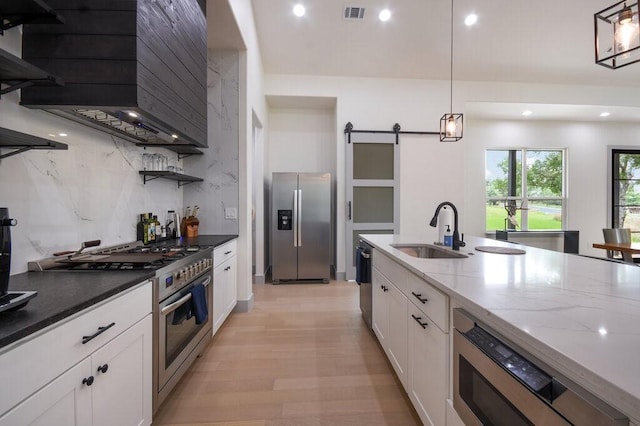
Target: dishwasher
point(364, 263)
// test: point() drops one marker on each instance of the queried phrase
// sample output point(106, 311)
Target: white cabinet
point(59, 380)
point(428, 367)
point(389, 319)
point(410, 319)
point(225, 283)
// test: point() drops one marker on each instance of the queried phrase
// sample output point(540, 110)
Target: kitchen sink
point(428, 251)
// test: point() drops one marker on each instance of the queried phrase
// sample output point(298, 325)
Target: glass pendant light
point(451, 124)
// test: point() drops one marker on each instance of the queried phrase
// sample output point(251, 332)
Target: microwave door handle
point(299, 217)
point(175, 305)
point(295, 218)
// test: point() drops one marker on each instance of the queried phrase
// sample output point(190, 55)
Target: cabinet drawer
point(36, 360)
point(429, 300)
point(224, 252)
point(391, 269)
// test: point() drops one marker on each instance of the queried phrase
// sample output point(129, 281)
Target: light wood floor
point(301, 357)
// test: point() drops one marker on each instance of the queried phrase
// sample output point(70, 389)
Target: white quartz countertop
point(579, 315)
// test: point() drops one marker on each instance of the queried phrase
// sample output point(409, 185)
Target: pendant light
point(617, 35)
point(451, 124)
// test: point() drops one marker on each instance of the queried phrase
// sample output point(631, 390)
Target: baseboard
point(243, 306)
point(258, 279)
point(341, 276)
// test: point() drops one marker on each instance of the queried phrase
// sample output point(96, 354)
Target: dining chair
point(618, 235)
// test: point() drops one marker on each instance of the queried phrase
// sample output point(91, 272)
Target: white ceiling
point(542, 41)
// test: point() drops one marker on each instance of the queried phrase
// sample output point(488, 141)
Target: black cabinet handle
point(227, 252)
point(87, 381)
point(103, 368)
point(422, 324)
point(386, 288)
point(227, 268)
point(419, 297)
point(86, 339)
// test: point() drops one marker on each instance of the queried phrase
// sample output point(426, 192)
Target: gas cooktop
point(130, 256)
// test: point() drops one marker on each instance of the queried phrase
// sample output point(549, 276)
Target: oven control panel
point(189, 272)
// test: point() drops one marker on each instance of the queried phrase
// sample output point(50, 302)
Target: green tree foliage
point(544, 174)
point(628, 166)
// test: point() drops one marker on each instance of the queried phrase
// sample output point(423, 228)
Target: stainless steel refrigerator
point(301, 227)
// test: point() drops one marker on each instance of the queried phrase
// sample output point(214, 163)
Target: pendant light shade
point(451, 124)
point(617, 35)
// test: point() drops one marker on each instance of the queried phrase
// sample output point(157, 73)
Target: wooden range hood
point(134, 68)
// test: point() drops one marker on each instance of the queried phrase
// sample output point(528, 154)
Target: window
point(525, 198)
point(625, 209)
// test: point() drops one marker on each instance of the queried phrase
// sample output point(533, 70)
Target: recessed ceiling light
point(174, 136)
point(385, 15)
point(299, 10)
point(605, 114)
point(133, 114)
point(52, 135)
point(62, 134)
point(526, 113)
point(471, 19)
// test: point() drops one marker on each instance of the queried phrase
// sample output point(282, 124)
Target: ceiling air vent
point(354, 13)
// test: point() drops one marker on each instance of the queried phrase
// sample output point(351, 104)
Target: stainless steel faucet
point(457, 242)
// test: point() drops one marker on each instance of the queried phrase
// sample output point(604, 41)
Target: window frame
point(524, 198)
point(614, 196)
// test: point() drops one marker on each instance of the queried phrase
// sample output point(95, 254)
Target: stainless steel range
point(178, 335)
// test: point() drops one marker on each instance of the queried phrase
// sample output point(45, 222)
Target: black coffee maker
point(9, 300)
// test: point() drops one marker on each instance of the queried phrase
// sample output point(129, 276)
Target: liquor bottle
point(152, 228)
point(140, 229)
point(158, 227)
point(145, 229)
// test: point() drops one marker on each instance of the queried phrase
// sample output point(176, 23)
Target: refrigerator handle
point(295, 218)
point(299, 217)
point(349, 214)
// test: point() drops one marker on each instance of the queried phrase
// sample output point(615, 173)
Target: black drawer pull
point(103, 368)
point(419, 297)
point(86, 339)
point(228, 252)
point(227, 268)
point(422, 324)
point(87, 381)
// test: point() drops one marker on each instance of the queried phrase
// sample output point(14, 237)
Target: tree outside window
point(626, 191)
point(525, 198)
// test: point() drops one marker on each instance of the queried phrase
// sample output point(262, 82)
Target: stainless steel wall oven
point(498, 384)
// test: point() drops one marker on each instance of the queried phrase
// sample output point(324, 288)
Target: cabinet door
point(396, 338)
point(65, 401)
point(219, 296)
point(428, 368)
point(122, 392)
point(380, 306)
point(232, 286)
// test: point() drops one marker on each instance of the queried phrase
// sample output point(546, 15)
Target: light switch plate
point(230, 213)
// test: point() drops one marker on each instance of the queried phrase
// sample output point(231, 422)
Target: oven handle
point(184, 299)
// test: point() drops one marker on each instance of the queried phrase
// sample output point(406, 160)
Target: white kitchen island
point(579, 315)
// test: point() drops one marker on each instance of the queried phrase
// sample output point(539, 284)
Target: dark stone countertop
point(64, 293)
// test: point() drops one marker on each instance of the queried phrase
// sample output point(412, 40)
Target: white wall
point(302, 140)
point(586, 145)
point(433, 171)
point(61, 198)
point(251, 102)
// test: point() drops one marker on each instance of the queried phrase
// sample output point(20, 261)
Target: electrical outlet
point(230, 213)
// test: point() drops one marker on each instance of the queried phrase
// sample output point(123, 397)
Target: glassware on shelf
point(147, 162)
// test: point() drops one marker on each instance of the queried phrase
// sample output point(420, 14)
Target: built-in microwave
point(496, 383)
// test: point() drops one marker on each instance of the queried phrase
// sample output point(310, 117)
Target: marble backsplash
point(218, 166)
point(60, 198)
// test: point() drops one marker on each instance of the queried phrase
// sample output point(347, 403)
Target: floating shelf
point(17, 74)
point(21, 142)
point(149, 175)
point(183, 151)
point(18, 12)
